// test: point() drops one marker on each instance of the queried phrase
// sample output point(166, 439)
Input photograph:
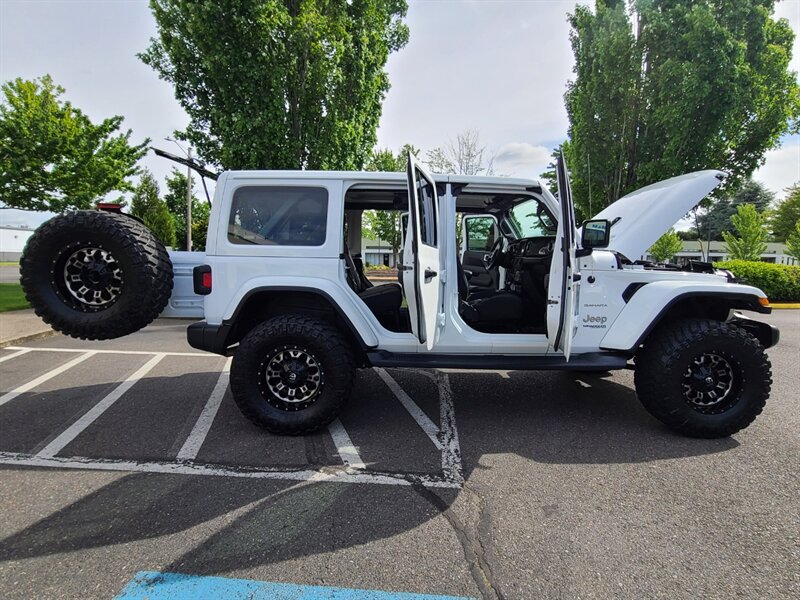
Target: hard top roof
point(358, 177)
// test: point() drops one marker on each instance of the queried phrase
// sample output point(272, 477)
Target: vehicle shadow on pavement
point(564, 418)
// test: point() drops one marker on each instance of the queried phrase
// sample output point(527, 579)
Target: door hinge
point(550, 301)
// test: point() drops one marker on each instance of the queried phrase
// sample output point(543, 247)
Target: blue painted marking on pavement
point(151, 585)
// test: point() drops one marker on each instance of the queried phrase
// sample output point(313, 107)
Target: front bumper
point(210, 338)
point(765, 333)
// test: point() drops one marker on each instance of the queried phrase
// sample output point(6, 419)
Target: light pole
point(188, 195)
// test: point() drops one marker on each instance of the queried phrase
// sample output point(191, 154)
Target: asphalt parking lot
point(129, 455)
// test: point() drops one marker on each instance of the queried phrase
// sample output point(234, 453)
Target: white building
point(376, 252)
point(775, 253)
point(12, 241)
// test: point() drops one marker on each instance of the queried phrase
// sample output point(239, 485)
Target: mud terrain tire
point(96, 275)
point(292, 374)
point(703, 378)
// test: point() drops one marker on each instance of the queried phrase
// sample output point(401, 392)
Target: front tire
point(292, 374)
point(703, 378)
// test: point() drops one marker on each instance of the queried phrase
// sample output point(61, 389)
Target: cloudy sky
point(498, 67)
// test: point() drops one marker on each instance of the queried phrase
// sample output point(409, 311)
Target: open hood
point(640, 218)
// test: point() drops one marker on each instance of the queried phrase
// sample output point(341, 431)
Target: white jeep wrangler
point(281, 288)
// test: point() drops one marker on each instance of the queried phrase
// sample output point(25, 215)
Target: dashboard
point(530, 263)
point(531, 247)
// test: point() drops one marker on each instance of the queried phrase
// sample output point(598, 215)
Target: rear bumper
point(763, 332)
point(210, 338)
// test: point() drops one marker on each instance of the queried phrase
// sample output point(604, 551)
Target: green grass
point(11, 297)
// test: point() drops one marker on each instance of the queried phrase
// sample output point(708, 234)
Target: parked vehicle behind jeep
point(281, 288)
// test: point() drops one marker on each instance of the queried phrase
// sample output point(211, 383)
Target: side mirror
point(595, 234)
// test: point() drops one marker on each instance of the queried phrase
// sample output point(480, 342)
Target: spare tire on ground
point(96, 275)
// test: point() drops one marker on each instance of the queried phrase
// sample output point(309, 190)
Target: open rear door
point(421, 254)
point(562, 292)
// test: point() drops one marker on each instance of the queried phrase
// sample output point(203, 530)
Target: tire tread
point(655, 365)
point(285, 326)
point(152, 271)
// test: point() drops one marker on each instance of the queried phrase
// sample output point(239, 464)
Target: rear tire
point(96, 275)
point(703, 378)
point(292, 374)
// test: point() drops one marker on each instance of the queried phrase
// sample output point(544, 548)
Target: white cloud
point(520, 159)
point(781, 168)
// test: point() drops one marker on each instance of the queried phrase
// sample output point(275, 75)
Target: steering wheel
point(491, 258)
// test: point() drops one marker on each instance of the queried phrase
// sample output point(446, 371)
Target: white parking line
point(191, 447)
point(102, 351)
point(185, 468)
point(451, 447)
point(428, 426)
point(448, 434)
point(47, 376)
point(74, 430)
point(14, 354)
point(344, 446)
point(444, 437)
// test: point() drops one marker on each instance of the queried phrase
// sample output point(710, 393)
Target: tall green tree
point(152, 210)
point(52, 157)
point(785, 217)
point(549, 176)
point(278, 84)
point(667, 246)
point(200, 214)
point(384, 225)
point(383, 159)
point(793, 242)
point(718, 217)
point(751, 241)
point(175, 198)
point(665, 87)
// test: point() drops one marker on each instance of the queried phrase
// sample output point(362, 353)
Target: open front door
point(562, 292)
point(421, 254)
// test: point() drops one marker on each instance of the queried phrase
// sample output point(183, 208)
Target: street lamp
point(188, 194)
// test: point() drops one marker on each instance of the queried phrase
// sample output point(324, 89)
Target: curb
point(27, 338)
point(786, 305)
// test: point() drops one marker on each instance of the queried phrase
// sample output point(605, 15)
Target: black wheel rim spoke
point(709, 383)
point(92, 278)
point(291, 378)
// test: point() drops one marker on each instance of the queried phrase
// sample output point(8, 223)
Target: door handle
point(430, 274)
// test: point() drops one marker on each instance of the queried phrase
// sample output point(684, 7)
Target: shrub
point(781, 283)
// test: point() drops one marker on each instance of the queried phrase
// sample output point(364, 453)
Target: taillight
point(201, 277)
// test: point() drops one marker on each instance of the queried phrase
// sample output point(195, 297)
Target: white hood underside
point(640, 218)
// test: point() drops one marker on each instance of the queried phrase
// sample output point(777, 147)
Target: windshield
point(530, 219)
